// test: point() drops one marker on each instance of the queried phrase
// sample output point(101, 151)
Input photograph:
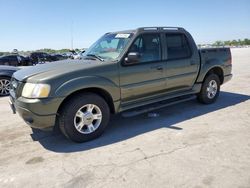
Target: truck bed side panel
point(215, 57)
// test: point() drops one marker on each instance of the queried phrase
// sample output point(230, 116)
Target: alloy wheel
point(212, 89)
point(4, 87)
point(87, 119)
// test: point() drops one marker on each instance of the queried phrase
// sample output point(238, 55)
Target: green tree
point(218, 43)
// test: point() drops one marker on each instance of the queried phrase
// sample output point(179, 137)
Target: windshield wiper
point(95, 56)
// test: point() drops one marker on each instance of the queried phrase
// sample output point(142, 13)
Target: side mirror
point(132, 58)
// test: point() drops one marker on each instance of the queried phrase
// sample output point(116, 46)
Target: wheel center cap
point(88, 118)
point(210, 89)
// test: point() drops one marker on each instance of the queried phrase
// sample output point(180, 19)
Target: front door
point(146, 77)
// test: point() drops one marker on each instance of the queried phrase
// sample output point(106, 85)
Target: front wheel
point(84, 117)
point(210, 89)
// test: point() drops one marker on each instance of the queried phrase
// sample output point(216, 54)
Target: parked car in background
point(58, 57)
point(79, 55)
point(5, 76)
point(15, 60)
point(73, 54)
point(40, 57)
point(67, 55)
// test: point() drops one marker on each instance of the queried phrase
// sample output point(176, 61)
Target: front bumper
point(37, 113)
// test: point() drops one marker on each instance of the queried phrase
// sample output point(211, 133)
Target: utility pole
point(71, 32)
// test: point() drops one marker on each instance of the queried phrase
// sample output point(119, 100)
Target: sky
point(37, 24)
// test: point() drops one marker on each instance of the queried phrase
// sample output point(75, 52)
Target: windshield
point(110, 46)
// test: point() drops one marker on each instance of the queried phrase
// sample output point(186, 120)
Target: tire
point(4, 86)
point(78, 122)
point(210, 89)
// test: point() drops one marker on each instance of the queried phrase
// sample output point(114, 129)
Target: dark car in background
point(58, 57)
point(42, 57)
point(15, 60)
point(33, 59)
point(5, 76)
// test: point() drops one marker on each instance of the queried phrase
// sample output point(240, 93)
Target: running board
point(156, 106)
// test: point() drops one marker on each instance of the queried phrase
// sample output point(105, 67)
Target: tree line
point(238, 42)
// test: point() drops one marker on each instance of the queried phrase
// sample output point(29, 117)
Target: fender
point(207, 66)
point(80, 83)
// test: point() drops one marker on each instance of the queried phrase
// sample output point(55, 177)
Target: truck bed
point(215, 57)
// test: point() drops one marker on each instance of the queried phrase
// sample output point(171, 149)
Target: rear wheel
point(4, 86)
point(210, 89)
point(84, 117)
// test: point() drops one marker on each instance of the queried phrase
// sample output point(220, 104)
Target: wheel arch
point(218, 71)
point(95, 90)
point(213, 70)
point(105, 88)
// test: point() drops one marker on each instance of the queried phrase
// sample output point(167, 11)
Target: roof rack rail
point(159, 28)
point(172, 28)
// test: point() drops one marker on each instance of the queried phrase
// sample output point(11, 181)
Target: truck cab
point(166, 59)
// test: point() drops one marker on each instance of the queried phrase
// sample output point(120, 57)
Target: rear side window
point(177, 46)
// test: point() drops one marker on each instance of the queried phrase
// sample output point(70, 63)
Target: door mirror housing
point(133, 58)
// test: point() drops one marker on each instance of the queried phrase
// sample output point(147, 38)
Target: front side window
point(110, 46)
point(177, 46)
point(148, 46)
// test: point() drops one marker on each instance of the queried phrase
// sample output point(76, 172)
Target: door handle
point(160, 68)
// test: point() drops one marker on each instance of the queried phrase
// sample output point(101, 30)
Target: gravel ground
point(187, 145)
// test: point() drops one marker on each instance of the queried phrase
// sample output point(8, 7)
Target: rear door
point(147, 77)
point(182, 63)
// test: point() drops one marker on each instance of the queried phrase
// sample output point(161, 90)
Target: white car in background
point(78, 55)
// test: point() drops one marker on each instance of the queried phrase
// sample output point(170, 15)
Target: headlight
point(31, 90)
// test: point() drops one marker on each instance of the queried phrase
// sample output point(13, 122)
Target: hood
point(45, 71)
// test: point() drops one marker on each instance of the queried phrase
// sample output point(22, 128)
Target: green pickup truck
point(121, 72)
